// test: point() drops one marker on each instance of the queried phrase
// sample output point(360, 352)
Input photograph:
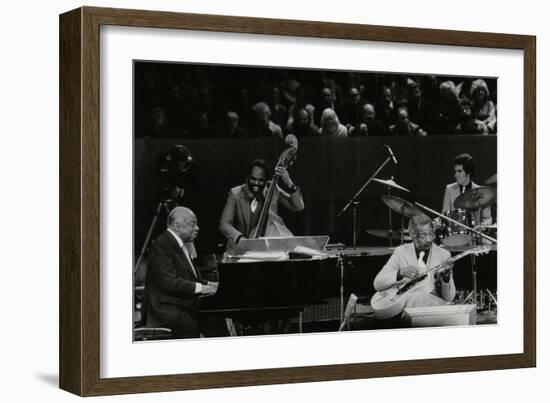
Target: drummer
point(464, 168)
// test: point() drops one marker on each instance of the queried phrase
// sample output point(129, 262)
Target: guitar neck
point(452, 259)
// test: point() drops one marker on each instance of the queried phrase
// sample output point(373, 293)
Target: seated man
point(464, 168)
point(244, 203)
point(173, 284)
point(415, 258)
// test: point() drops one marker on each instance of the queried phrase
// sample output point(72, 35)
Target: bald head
point(183, 222)
point(369, 113)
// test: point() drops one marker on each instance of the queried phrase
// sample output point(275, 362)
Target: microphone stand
point(354, 201)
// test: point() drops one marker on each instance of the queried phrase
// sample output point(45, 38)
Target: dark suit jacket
point(170, 282)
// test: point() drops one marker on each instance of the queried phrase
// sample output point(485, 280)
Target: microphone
point(391, 154)
point(349, 310)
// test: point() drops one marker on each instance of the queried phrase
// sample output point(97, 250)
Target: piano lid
point(283, 244)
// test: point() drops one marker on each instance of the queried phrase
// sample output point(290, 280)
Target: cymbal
point(395, 234)
point(491, 180)
point(390, 183)
point(401, 206)
point(476, 198)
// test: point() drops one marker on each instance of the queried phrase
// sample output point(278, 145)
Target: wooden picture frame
point(80, 216)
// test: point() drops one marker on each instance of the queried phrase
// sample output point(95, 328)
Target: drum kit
point(460, 227)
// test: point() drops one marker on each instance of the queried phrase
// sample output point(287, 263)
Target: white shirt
point(198, 286)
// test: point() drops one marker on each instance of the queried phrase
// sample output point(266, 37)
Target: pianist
point(173, 283)
point(244, 203)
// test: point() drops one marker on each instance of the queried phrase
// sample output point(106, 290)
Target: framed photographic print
point(292, 200)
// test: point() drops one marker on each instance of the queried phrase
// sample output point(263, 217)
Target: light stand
point(162, 205)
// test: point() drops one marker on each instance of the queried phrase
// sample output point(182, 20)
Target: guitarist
point(244, 203)
point(413, 259)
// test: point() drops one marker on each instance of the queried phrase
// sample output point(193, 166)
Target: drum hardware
point(492, 298)
point(486, 300)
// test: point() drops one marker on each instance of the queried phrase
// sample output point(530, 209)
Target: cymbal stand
point(341, 265)
point(493, 298)
point(472, 295)
point(389, 219)
point(474, 279)
point(354, 201)
point(402, 226)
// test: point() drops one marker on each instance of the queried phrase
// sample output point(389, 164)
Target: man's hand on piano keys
point(210, 288)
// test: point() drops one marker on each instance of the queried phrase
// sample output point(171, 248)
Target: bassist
point(245, 202)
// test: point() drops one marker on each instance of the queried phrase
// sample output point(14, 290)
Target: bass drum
point(452, 234)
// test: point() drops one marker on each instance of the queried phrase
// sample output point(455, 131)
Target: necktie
point(254, 205)
point(421, 263)
point(186, 253)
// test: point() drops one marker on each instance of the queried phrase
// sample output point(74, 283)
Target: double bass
point(270, 224)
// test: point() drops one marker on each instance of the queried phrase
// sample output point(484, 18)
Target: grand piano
point(272, 278)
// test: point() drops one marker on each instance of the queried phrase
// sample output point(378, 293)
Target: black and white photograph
point(277, 201)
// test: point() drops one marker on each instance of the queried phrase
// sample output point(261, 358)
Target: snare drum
point(453, 234)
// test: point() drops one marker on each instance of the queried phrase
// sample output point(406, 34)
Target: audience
point(187, 101)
